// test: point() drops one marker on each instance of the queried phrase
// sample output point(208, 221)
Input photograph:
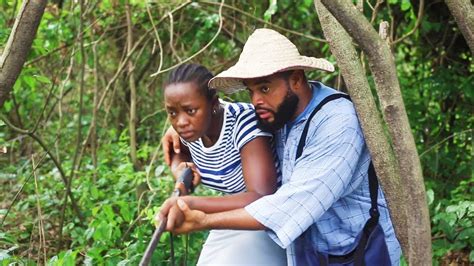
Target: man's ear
point(297, 79)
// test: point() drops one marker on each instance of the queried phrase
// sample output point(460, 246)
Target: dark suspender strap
point(372, 222)
point(373, 188)
point(369, 226)
point(302, 142)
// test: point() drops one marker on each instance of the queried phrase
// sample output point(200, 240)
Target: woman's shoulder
point(238, 108)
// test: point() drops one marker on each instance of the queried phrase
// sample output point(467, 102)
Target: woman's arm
point(260, 177)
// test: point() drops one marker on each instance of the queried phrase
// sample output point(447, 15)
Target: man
point(325, 191)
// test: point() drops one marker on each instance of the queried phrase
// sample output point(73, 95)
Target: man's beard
point(283, 114)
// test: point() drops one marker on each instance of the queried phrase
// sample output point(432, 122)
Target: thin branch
point(421, 9)
point(151, 115)
point(94, 112)
point(202, 49)
point(21, 189)
point(173, 50)
point(444, 140)
point(375, 10)
point(158, 39)
point(52, 157)
point(265, 22)
point(42, 240)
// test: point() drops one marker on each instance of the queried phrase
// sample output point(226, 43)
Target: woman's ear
point(215, 101)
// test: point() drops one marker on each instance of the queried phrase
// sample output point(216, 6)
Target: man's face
point(274, 101)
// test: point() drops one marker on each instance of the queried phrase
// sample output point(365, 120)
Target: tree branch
point(372, 124)
point(19, 44)
point(463, 13)
point(382, 66)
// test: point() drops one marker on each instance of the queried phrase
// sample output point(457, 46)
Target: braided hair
point(192, 73)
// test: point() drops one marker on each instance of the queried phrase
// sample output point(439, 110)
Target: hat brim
point(231, 80)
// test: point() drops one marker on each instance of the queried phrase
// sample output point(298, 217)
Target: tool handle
point(153, 243)
point(186, 178)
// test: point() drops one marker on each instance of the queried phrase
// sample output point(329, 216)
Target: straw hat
point(266, 52)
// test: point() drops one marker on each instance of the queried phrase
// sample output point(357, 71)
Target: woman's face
point(189, 111)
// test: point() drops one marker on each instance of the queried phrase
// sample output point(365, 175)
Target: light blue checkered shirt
point(327, 188)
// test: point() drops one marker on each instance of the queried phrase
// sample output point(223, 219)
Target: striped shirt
point(326, 190)
point(220, 165)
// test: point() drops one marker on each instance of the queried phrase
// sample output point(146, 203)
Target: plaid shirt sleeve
point(323, 174)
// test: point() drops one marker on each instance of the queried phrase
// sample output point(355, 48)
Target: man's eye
point(191, 111)
point(264, 89)
point(172, 113)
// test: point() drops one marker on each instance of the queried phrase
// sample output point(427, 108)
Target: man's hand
point(171, 144)
point(194, 220)
point(172, 212)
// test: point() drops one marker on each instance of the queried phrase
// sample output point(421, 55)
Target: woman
point(222, 144)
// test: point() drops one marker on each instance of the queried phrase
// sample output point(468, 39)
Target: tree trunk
point(463, 13)
point(372, 124)
point(19, 44)
point(133, 92)
point(382, 66)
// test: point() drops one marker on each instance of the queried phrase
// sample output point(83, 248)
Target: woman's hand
point(171, 144)
point(178, 171)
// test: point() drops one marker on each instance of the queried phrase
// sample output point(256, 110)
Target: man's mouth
point(263, 114)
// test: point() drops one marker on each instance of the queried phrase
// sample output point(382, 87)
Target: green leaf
point(447, 229)
point(405, 5)
point(42, 79)
point(272, 9)
point(7, 238)
point(125, 211)
point(109, 213)
point(159, 170)
point(466, 234)
point(430, 196)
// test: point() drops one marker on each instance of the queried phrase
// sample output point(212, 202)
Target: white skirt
point(241, 247)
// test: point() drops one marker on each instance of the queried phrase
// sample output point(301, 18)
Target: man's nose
point(257, 99)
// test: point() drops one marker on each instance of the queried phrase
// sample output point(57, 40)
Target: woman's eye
point(264, 89)
point(172, 113)
point(191, 111)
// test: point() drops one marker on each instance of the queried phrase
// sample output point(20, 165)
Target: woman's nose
point(182, 121)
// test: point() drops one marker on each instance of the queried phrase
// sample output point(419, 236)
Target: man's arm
point(195, 220)
point(260, 179)
point(326, 171)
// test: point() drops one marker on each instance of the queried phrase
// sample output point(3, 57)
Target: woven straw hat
point(266, 52)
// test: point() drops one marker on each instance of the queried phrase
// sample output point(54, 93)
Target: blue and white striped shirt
point(220, 165)
point(327, 188)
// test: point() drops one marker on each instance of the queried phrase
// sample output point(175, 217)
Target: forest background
point(87, 111)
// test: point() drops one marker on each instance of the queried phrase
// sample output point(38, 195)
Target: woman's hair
point(192, 73)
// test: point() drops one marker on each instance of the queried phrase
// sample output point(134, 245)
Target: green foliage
point(452, 220)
